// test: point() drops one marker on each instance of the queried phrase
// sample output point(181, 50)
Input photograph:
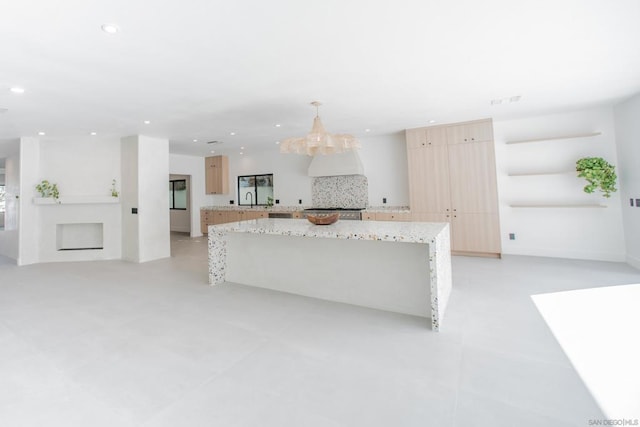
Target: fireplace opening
point(79, 237)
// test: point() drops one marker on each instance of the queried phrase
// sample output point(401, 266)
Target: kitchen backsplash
point(345, 191)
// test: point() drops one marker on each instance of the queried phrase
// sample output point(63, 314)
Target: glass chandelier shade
point(319, 141)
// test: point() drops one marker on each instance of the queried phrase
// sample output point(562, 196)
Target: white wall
point(585, 233)
point(80, 167)
point(627, 119)
point(385, 166)
point(10, 151)
point(145, 164)
point(384, 159)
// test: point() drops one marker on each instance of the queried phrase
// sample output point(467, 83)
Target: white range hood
point(347, 163)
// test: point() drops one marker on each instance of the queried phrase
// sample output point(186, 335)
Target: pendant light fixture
point(319, 141)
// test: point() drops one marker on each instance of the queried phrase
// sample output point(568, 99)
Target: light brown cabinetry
point(456, 183)
point(212, 217)
point(216, 175)
point(393, 216)
point(368, 216)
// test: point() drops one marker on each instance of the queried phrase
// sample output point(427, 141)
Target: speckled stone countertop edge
point(389, 209)
point(407, 232)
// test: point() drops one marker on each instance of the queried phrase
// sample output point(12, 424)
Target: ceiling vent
point(3, 110)
point(214, 142)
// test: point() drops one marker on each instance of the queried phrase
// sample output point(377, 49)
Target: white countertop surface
point(390, 231)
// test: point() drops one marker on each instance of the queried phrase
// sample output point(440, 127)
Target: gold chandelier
point(319, 140)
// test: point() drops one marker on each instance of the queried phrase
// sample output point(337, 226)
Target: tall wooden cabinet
point(216, 175)
point(452, 178)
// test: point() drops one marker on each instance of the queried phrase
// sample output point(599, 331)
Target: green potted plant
point(599, 174)
point(114, 192)
point(47, 189)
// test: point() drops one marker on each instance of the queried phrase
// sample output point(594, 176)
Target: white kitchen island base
point(403, 267)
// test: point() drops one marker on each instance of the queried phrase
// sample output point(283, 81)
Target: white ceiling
point(201, 69)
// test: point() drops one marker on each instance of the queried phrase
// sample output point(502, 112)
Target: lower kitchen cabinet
point(393, 216)
point(471, 233)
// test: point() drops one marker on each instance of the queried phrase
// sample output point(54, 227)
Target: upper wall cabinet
point(426, 137)
point(479, 131)
point(216, 175)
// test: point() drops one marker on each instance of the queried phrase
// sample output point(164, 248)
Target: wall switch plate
point(277, 201)
point(134, 211)
point(512, 236)
point(630, 202)
point(384, 200)
point(637, 203)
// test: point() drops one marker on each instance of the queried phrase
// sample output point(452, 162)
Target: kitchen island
point(403, 267)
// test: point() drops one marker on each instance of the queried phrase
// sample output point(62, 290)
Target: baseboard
point(550, 253)
point(633, 261)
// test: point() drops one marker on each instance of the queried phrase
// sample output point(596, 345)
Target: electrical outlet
point(230, 202)
point(299, 201)
point(134, 211)
point(630, 202)
point(512, 236)
point(277, 201)
point(384, 200)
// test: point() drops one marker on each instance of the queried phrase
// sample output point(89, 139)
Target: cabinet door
point(475, 232)
point(473, 177)
point(216, 175)
point(204, 222)
point(470, 132)
point(425, 137)
point(233, 216)
point(368, 216)
point(392, 216)
point(217, 217)
point(429, 179)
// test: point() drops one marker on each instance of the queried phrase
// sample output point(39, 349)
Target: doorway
point(180, 203)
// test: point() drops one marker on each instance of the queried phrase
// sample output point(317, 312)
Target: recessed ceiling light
point(241, 153)
point(146, 122)
point(17, 89)
point(213, 151)
point(94, 133)
point(367, 130)
point(278, 125)
point(41, 133)
point(110, 28)
point(232, 133)
point(277, 142)
point(432, 121)
point(242, 148)
point(195, 140)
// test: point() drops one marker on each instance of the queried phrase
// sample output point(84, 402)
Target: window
point(2, 198)
point(178, 194)
point(255, 189)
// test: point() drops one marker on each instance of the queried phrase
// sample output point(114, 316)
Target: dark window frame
point(242, 201)
point(172, 191)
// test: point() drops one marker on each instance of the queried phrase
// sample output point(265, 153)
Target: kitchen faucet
point(249, 193)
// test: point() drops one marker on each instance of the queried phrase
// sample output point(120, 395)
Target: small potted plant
point(47, 189)
point(599, 174)
point(114, 192)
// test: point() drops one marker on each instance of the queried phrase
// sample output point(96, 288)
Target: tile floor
point(120, 344)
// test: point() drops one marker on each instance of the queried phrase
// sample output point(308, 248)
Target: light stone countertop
point(298, 208)
point(274, 208)
point(390, 231)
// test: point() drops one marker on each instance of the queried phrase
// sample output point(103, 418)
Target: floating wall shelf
point(76, 200)
point(540, 173)
point(558, 205)
point(555, 138)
